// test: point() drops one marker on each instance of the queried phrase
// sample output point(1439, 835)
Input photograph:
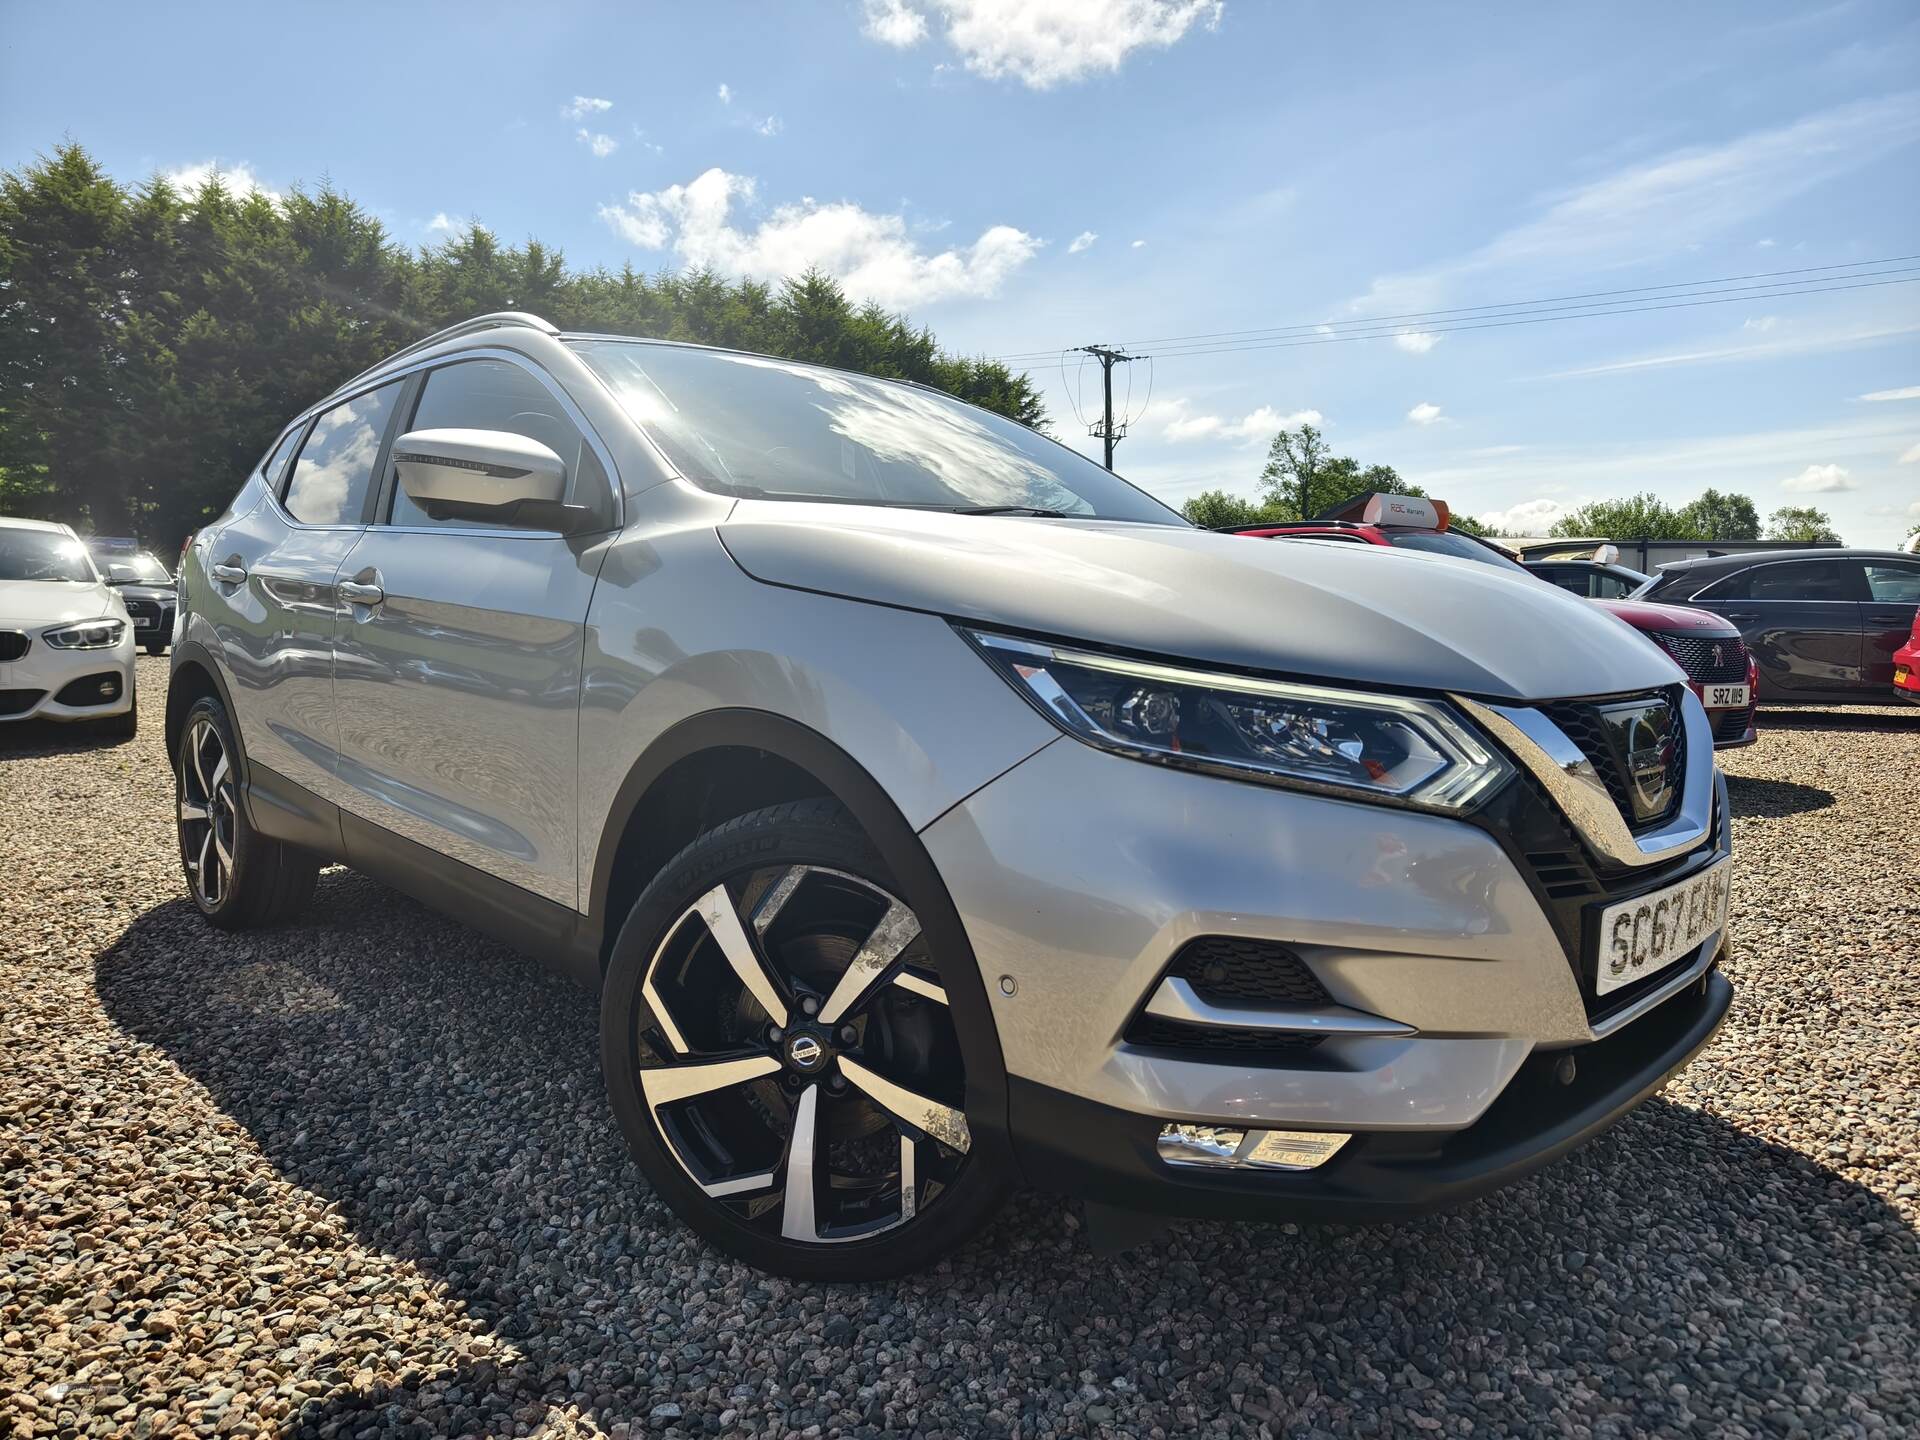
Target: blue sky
point(1238, 166)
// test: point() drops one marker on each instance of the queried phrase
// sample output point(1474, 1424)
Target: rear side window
point(331, 478)
point(492, 395)
point(276, 463)
point(1891, 582)
point(1800, 580)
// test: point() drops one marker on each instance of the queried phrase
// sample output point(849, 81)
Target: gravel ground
point(358, 1177)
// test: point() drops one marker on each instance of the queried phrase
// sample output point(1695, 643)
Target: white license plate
point(1722, 697)
point(1638, 937)
point(145, 622)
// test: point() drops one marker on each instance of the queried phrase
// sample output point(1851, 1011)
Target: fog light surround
point(1223, 1147)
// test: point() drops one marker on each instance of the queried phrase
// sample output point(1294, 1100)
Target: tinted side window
point(276, 463)
point(492, 395)
point(1612, 587)
point(1802, 580)
point(335, 469)
point(1890, 581)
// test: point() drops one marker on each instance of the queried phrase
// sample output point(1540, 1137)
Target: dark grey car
point(1822, 624)
point(146, 586)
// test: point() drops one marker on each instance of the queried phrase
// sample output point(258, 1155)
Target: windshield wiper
point(1041, 511)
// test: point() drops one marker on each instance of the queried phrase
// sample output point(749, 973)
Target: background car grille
point(1580, 720)
point(1228, 970)
point(146, 614)
point(1695, 656)
point(13, 644)
point(1731, 724)
point(18, 702)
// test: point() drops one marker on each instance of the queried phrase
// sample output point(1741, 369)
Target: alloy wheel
point(207, 813)
point(797, 1056)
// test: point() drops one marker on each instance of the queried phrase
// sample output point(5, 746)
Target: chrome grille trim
point(1582, 796)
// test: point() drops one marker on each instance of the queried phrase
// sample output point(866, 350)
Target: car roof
point(20, 522)
point(1769, 557)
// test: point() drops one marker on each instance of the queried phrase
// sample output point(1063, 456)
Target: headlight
point(88, 635)
point(1343, 742)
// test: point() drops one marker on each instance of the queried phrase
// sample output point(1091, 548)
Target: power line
point(1599, 302)
point(1381, 331)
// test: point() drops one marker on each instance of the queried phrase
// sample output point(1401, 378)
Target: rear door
point(1801, 620)
point(1893, 595)
point(459, 652)
point(270, 582)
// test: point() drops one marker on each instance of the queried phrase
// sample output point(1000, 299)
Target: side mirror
point(122, 575)
point(492, 475)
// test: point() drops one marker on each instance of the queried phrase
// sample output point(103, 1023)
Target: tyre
point(238, 877)
point(782, 1059)
point(155, 647)
point(120, 727)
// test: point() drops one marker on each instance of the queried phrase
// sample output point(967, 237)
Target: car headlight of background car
point(87, 635)
point(1345, 742)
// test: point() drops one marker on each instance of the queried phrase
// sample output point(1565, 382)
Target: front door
point(271, 574)
point(1801, 620)
point(458, 656)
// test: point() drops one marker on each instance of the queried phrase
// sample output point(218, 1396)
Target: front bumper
point(1080, 875)
point(51, 684)
point(1083, 1148)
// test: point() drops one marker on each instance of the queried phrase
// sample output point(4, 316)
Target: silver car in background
point(933, 811)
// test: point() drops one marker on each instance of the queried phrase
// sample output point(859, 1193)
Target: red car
point(1707, 647)
point(1906, 665)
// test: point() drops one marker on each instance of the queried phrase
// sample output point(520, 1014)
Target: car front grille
point(1730, 725)
point(1584, 723)
point(1163, 1034)
point(1230, 971)
point(13, 644)
point(1709, 662)
point(147, 614)
point(18, 702)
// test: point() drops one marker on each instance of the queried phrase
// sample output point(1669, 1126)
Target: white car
point(66, 641)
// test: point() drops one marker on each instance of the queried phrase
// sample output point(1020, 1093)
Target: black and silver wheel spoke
point(801, 1063)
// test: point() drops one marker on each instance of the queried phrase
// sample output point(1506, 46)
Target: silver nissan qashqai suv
point(932, 810)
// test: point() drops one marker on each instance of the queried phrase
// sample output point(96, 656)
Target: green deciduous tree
point(152, 343)
point(1721, 517)
point(1802, 522)
point(1638, 517)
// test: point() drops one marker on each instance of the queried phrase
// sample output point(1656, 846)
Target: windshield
point(1445, 542)
point(43, 555)
point(750, 425)
point(145, 570)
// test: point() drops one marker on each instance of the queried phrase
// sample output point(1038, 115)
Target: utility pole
point(1106, 429)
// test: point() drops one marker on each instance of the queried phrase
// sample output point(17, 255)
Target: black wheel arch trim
point(847, 781)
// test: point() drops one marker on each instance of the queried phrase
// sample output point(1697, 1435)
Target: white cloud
point(1667, 204)
point(726, 93)
point(768, 127)
point(1083, 241)
point(1908, 392)
point(239, 179)
point(1183, 425)
point(581, 106)
point(1041, 43)
point(445, 224)
point(601, 145)
point(1425, 413)
point(1762, 323)
point(893, 22)
point(1820, 480)
point(1139, 245)
point(1912, 457)
point(1416, 342)
point(872, 255)
point(1529, 517)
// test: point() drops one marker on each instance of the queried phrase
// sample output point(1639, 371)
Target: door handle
point(1889, 619)
point(359, 593)
point(1741, 614)
point(228, 574)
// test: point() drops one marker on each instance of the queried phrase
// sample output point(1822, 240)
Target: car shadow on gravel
point(445, 1094)
point(1774, 798)
point(1881, 720)
point(20, 738)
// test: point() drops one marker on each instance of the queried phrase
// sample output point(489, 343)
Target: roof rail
point(499, 319)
